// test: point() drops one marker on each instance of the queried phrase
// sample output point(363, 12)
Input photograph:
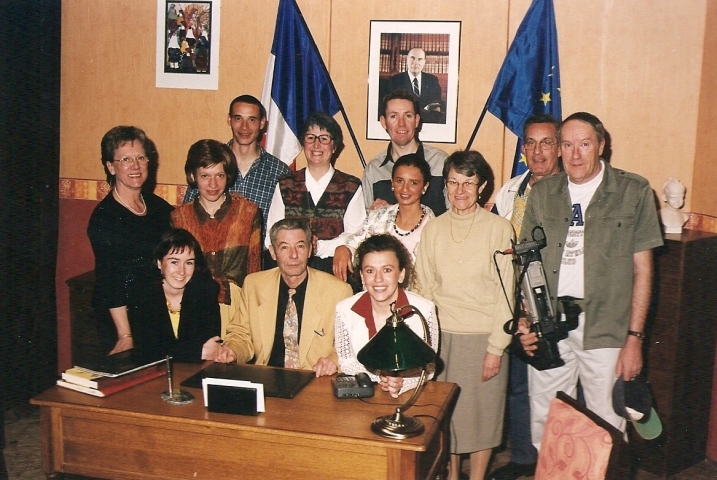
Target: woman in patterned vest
point(330, 199)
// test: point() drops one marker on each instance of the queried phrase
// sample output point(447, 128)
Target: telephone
point(349, 386)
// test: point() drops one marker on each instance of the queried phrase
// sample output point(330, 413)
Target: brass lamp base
point(398, 426)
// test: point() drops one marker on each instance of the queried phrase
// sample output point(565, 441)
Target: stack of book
point(107, 378)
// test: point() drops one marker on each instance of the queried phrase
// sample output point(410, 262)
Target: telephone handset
point(349, 386)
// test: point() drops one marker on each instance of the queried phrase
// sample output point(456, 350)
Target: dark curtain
point(29, 178)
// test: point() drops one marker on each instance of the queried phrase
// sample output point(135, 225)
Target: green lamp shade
point(395, 348)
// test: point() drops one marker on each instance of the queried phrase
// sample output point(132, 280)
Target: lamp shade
point(395, 348)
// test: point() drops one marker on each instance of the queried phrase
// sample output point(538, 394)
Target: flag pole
point(478, 124)
point(328, 76)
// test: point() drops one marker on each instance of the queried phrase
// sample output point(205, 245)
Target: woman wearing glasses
point(455, 269)
point(330, 199)
point(124, 230)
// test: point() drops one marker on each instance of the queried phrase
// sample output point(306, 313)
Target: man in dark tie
point(424, 86)
point(285, 316)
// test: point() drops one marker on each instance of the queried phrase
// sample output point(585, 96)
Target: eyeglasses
point(323, 139)
point(126, 161)
point(545, 144)
point(468, 186)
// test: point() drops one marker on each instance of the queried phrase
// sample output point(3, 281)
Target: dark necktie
point(416, 92)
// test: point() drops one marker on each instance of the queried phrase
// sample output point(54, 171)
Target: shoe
point(511, 471)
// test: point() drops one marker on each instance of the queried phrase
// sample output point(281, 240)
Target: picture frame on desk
point(390, 44)
point(187, 44)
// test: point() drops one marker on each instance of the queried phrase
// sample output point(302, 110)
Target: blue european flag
point(529, 80)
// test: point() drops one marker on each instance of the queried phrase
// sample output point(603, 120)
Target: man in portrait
point(425, 87)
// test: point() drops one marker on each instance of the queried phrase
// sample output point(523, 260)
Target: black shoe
point(511, 471)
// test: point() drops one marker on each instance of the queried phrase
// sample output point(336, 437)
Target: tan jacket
point(250, 333)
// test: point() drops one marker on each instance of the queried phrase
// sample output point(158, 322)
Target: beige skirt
point(477, 422)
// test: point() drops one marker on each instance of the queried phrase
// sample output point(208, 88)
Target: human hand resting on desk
point(225, 355)
point(392, 385)
point(325, 367)
point(211, 348)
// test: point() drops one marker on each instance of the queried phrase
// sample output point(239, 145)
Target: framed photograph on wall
point(421, 57)
point(188, 44)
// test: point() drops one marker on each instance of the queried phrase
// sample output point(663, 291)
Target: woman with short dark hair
point(175, 312)
point(330, 199)
point(227, 225)
point(405, 220)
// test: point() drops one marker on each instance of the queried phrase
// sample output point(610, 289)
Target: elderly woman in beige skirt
point(455, 270)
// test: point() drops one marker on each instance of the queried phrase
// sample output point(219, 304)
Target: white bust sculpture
point(673, 194)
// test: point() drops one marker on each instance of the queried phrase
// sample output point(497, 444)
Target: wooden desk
point(135, 435)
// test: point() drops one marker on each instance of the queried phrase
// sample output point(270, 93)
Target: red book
point(78, 376)
point(119, 385)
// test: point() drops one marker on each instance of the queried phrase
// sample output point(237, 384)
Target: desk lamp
point(396, 348)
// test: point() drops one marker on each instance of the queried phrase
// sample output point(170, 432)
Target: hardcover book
point(124, 384)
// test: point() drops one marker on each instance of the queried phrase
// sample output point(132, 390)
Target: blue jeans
point(522, 450)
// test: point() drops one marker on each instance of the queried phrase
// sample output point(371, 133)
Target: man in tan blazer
point(258, 330)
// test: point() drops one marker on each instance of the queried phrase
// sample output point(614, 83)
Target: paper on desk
point(259, 387)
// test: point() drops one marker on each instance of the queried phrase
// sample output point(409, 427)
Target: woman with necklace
point(175, 312)
point(124, 229)
point(405, 220)
point(455, 270)
point(227, 225)
point(384, 267)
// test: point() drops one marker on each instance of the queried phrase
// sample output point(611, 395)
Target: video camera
point(534, 286)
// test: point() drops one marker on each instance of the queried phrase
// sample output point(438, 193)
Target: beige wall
point(642, 69)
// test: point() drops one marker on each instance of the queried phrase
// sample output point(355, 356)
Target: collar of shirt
point(256, 162)
point(389, 154)
point(317, 187)
point(363, 308)
point(202, 214)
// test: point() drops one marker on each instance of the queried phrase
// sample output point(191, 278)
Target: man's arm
point(367, 187)
point(238, 345)
point(629, 363)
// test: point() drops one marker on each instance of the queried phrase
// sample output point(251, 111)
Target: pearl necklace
point(119, 199)
point(469, 228)
point(395, 229)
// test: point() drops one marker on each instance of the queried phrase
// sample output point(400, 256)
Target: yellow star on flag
point(523, 159)
point(545, 98)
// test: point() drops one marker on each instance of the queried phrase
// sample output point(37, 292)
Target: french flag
point(297, 83)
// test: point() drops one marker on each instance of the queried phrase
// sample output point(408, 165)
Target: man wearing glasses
point(542, 153)
point(259, 171)
point(400, 119)
point(601, 226)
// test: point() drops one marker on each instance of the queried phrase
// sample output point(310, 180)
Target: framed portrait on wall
point(188, 44)
point(422, 58)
